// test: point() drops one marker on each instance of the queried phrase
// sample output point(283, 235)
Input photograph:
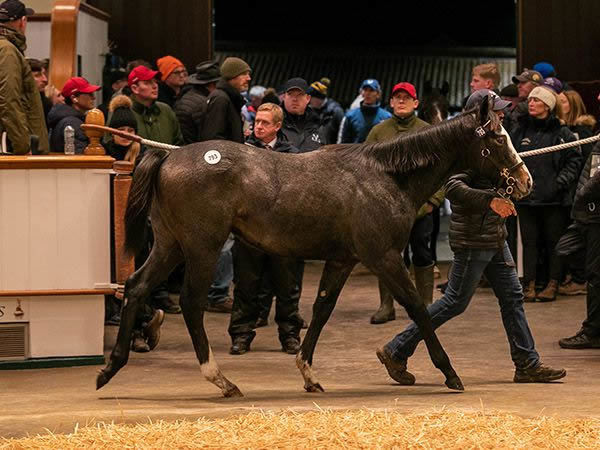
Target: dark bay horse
point(434, 106)
point(342, 204)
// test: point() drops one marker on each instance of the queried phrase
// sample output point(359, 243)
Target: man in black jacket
point(478, 239)
point(251, 266)
point(586, 212)
point(224, 113)
point(301, 125)
point(191, 106)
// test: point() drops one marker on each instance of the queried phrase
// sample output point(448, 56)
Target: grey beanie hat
point(232, 67)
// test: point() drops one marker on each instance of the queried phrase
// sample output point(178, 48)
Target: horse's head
point(434, 106)
point(497, 158)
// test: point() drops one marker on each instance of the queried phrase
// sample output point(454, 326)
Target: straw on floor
point(324, 429)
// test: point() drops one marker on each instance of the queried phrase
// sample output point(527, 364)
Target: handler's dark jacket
point(303, 132)
point(586, 208)
point(281, 145)
point(473, 224)
point(166, 94)
point(224, 114)
point(190, 109)
point(330, 115)
point(554, 174)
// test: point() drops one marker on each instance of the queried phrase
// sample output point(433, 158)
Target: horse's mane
point(410, 151)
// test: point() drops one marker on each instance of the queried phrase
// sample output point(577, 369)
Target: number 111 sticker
point(212, 157)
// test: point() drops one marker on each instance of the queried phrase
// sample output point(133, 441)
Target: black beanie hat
point(122, 115)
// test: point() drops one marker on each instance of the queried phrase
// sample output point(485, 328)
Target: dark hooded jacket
point(330, 116)
point(61, 116)
point(224, 114)
point(190, 109)
point(473, 224)
point(303, 132)
point(586, 208)
point(554, 174)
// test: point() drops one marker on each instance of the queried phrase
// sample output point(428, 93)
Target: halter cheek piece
point(505, 172)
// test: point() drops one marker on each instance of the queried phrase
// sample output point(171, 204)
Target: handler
point(478, 239)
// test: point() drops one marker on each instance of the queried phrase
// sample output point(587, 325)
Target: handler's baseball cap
point(406, 87)
point(296, 83)
point(78, 85)
point(482, 94)
point(13, 9)
point(529, 75)
point(141, 73)
point(371, 83)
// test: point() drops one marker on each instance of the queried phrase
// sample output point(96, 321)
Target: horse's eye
point(501, 140)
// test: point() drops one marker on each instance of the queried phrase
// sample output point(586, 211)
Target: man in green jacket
point(21, 110)
point(156, 120)
point(404, 102)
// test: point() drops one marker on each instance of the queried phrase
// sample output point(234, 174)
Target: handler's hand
point(503, 207)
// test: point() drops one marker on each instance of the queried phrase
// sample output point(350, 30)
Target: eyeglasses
point(180, 73)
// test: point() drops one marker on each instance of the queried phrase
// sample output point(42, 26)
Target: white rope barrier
point(556, 148)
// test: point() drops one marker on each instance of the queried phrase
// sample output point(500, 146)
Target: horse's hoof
point(233, 392)
point(455, 384)
point(313, 387)
point(102, 379)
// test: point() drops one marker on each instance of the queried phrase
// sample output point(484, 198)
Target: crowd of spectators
point(217, 101)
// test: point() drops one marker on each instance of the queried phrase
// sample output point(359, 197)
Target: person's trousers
point(219, 289)
point(467, 268)
point(546, 224)
point(419, 243)
point(591, 325)
point(571, 249)
point(250, 265)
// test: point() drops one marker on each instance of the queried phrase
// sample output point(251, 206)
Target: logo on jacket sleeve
point(316, 138)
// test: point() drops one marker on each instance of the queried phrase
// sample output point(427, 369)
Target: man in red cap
point(79, 97)
point(404, 102)
point(21, 111)
point(156, 120)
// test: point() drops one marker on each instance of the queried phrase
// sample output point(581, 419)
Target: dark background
point(389, 23)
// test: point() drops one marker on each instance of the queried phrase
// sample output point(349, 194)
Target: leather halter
point(505, 172)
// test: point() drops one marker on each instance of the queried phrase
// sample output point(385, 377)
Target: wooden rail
point(56, 162)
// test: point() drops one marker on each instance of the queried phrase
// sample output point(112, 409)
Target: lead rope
point(154, 144)
point(556, 148)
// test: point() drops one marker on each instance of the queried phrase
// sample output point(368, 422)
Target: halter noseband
point(505, 172)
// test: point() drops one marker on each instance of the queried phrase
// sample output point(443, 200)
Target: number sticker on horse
point(212, 157)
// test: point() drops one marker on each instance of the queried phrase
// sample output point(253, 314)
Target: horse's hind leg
point(193, 299)
point(332, 281)
point(165, 255)
point(394, 274)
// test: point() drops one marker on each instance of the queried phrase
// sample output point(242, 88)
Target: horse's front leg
point(333, 278)
point(394, 274)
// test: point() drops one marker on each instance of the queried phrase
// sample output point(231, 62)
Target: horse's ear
point(484, 110)
point(427, 88)
point(445, 88)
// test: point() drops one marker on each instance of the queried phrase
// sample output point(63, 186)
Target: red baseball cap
point(407, 87)
point(78, 85)
point(141, 73)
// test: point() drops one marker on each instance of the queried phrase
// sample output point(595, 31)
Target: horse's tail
point(140, 198)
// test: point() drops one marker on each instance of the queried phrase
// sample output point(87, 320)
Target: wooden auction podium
point(54, 259)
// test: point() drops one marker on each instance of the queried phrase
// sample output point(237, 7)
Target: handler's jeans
point(250, 266)
point(467, 268)
point(219, 289)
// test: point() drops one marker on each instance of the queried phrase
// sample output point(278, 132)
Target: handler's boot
point(424, 283)
point(138, 344)
point(529, 292)
point(396, 369)
point(152, 328)
point(386, 311)
point(549, 292)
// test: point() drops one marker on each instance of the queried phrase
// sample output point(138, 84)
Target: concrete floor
point(167, 384)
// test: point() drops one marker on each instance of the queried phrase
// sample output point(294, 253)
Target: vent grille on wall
point(13, 341)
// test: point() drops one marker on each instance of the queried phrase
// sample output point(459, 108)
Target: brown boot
point(549, 292)
point(573, 288)
point(138, 344)
point(386, 311)
point(152, 329)
point(424, 283)
point(529, 292)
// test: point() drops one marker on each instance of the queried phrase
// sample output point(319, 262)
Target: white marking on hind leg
point(212, 373)
point(305, 370)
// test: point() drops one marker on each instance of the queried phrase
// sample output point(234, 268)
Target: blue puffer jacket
point(358, 122)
